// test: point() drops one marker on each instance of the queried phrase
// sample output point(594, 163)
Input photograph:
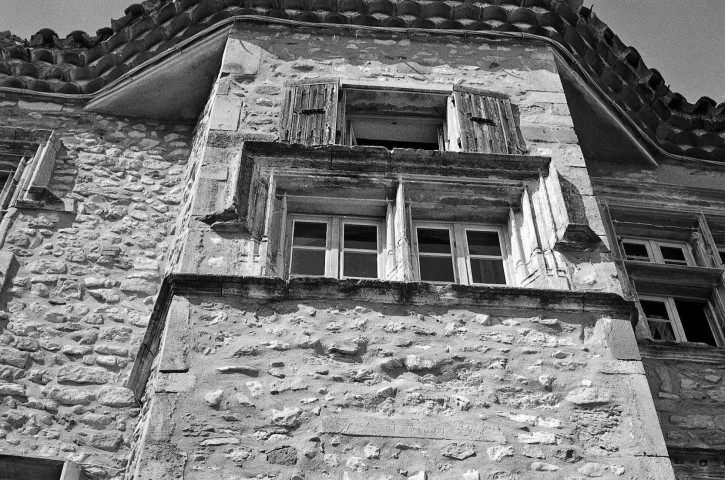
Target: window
point(672, 268)
point(471, 255)
point(336, 247)
point(322, 112)
point(657, 251)
point(679, 319)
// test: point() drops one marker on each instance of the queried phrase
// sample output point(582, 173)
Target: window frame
point(655, 253)
point(460, 252)
point(676, 321)
point(334, 244)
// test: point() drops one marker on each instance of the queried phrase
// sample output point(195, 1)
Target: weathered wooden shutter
point(485, 122)
point(309, 113)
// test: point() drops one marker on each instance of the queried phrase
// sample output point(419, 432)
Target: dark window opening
point(391, 144)
point(635, 251)
point(673, 255)
point(694, 321)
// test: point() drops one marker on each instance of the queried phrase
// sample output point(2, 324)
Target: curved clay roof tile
point(494, 13)
point(467, 11)
point(710, 140)
point(523, 15)
point(322, 5)
point(436, 9)
point(367, 20)
point(12, 82)
point(42, 55)
point(166, 12)
point(355, 6)
point(410, 7)
point(27, 69)
point(395, 22)
point(381, 6)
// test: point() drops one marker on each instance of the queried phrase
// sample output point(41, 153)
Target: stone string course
point(371, 391)
point(79, 304)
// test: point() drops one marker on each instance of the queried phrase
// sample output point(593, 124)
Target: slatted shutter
point(309, 113)
point(485, 122)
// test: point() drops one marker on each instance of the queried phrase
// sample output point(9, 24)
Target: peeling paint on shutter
point(486, 122)
point(309, 113)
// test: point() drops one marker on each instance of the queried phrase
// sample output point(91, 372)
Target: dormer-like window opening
point(453, 119)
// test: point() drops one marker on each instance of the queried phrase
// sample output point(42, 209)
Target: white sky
point(683, 39)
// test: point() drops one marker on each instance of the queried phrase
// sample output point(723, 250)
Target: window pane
point(436, 269)
point(635, 251)
point(673, 255)
point(487, 271)
point(434, 240)
point(308, 262)
point(694, 322)
point(363, 237)
point(722, 255)
point(363, 265)
point(310, 234)
point(483, 243)
point(654, 309)
point(661, 330)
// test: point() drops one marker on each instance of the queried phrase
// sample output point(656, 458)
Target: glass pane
point(654, 309)
point(483, 243)
point(661, 330)
point(436, 269)
point(694, 322)
point(364, 265)
point(308, 262)
point(434, 240)
point(722, 256)
point(310, 234)
point(487, 271)
point(363, 237)
point(673, 255)
point(635, 251)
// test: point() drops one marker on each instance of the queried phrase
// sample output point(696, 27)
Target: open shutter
point(485, 122)
point(309, 113)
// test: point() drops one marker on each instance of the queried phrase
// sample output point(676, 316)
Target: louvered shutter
point(485, 122)
point(309, 113)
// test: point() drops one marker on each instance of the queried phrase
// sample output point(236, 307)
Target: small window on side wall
point(336, 247)
point(657, 251)
point(679, 319)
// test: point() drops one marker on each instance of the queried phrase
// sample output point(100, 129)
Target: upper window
point(470, 255)
point(336, 247)
point(468, 120)
point(657, 251)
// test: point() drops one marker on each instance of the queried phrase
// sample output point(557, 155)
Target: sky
point(683, 39)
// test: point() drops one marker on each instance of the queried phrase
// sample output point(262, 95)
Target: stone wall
point(365, 390)
point(79, 303)
point(689, 394)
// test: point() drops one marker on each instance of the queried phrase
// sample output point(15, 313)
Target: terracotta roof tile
point(82, 63)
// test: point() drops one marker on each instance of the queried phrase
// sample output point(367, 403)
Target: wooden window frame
point(676, 321)
point(654, 252)
point(334, 245)
point(460, 255)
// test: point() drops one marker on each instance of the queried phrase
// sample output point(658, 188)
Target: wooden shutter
point(309, 113)
point(485, 122)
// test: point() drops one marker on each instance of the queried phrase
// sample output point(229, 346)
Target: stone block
point(174, 351)
point(226, 112)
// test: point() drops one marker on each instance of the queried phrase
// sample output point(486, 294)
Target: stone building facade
point(357, 240)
